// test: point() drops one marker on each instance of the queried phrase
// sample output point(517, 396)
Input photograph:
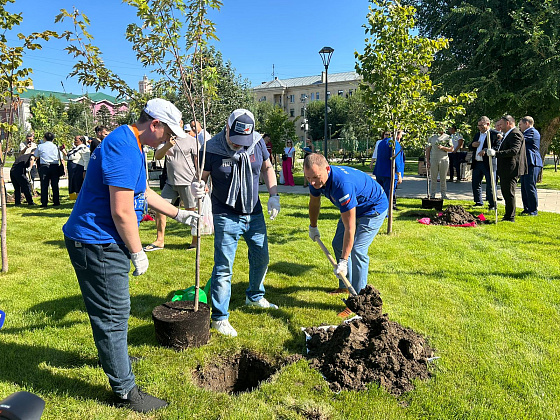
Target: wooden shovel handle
point(333, 262)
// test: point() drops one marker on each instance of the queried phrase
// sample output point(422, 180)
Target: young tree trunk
point(4, 219)
point(391, 192)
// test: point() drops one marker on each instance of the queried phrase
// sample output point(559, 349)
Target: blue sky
point(254, 36)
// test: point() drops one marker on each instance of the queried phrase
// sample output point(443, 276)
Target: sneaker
point(140, 401)
point(478, 205)
point(224, 327)
point(492, 208)
point(346, 312)
point(261, 303)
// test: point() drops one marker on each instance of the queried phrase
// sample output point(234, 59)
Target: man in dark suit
point(534, 166)
point(512, 162)
point(480, 162)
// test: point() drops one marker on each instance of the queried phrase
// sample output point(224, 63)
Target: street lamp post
point(326, 53)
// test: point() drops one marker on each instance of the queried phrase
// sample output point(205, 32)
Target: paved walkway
point(415, 187)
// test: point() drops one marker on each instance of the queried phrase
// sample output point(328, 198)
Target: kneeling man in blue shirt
point(363, 206)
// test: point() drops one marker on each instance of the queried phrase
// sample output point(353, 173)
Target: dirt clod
point(453, 215)
point(371, 349)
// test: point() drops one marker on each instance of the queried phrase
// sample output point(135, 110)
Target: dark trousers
point(70, 171)
point(49, 175)
point(102, 272)
point(21, 185)
point(480, 171)
point(455, 165)
point(77, 178)
point(508, 184)
point(385, 182)
point(529, 189)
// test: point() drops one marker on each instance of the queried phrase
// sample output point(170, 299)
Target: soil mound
point(371, 349)
point(454, 215)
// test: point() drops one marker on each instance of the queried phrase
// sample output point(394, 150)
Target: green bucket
point(188, 293)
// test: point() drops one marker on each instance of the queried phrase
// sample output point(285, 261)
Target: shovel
point(333, 262)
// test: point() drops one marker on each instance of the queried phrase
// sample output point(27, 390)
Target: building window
point(292, 98)
point(292, 112)
point(328, 95)
point(302, 112)
point(313, 96)
point(317, 96)
point(340, 93)
point(350, 92)
point(262, 99)
point(303, 96)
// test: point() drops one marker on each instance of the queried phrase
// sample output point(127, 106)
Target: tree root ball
point(178, 326)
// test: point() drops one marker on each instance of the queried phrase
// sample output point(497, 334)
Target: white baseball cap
point(167, 113)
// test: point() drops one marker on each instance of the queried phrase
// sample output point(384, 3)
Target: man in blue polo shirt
point(102, 238)
point(363, 206)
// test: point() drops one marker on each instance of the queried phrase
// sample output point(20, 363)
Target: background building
point(294, 94)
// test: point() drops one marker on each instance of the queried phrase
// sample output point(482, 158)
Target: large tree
point(337, 117)
point(508, 50)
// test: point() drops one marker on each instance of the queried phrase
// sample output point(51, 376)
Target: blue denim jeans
point(358, 263)
point(102, 271)
point(480, 171)
point(228, 228)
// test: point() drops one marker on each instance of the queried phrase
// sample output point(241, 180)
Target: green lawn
point(487, 298)
point(550, 179)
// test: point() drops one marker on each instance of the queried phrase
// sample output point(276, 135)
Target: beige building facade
point(293, 95)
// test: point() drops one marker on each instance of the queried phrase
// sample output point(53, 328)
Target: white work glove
point(341, 268)
point(491, 152)
point(140, 261)
point(187, 217)
point(198, 189)
point(314, 233)
point(273, 206)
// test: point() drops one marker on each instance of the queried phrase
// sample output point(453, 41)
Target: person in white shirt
point(49, 156)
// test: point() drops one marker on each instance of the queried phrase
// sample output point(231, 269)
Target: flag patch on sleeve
point(344, 200)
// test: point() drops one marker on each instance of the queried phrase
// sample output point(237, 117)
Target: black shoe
point(140, 401)
point(524, 212)
point(506, 219)
point(31, 204)
point(478, 205)
point(491, 208)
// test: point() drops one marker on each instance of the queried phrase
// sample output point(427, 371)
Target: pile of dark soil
point(371, 349)
point(454, 215)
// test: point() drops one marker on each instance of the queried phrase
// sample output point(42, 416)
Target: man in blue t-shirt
point(363, 207)
point(235, 157)
point(101, 236)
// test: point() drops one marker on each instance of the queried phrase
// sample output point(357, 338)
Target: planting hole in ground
point(242, 372)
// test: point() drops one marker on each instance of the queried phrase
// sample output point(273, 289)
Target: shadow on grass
point(283, 298)
point(290, 268)
point(279, 237)
point(59, 244)
point(141, 306)
point(35, 366)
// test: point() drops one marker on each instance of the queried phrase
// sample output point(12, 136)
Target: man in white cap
point(101, 237)
point(235, 157)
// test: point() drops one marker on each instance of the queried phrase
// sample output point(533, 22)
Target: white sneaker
point(224, 327)
point(261, 303)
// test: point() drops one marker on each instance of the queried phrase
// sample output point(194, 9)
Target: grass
point(487, 298)
point(551, 179)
